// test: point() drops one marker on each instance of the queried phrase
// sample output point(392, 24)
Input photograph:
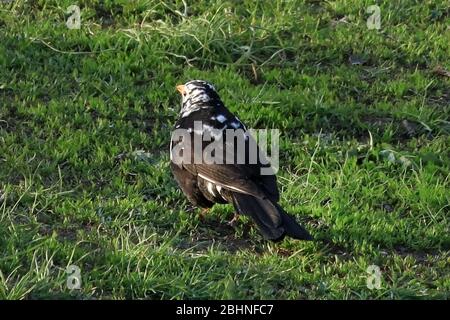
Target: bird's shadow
point(216, 232)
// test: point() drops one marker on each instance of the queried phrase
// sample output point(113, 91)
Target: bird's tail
point(272, 221)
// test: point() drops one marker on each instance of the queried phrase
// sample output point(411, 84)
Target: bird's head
point(197, 93)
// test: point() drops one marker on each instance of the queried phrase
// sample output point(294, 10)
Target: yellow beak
point(181, 88)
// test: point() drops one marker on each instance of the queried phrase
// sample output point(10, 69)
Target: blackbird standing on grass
point(203, 116)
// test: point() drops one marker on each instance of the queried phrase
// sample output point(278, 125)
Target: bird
point(202, 117)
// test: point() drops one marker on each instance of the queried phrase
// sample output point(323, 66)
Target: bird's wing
point(238, 177)
point(188, 184)
point(227, 176)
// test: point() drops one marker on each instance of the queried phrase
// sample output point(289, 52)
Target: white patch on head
point(197, 85)
point(187, 112)
point(202, 97)
point(221, 118)
point(194, 83)
point(196, 93)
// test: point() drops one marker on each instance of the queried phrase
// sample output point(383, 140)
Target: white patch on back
point(221, 118)
point(216, 133)
point(199, 132)
point(236, 125)
point(243, 125)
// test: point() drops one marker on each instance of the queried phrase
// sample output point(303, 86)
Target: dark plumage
point(237, 183)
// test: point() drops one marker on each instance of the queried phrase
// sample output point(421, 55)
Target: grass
point(85, 123)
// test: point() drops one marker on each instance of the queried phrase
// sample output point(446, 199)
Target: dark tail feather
point(272, 221)
point(249, 206)
point(292, 227)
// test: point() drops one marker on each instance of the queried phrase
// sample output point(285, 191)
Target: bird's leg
point(235, 219)
point(202, 214)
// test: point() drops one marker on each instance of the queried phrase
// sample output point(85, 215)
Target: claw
point(233, 222)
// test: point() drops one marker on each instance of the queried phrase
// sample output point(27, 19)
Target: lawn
point(85, 122)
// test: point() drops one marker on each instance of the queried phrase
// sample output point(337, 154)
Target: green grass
point(85, 123)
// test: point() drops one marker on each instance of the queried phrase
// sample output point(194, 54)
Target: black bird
point(203, 116)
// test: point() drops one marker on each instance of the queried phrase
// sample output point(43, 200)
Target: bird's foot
point(202, 214)
point(233, 222)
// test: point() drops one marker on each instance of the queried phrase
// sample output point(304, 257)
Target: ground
point(85, 122)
